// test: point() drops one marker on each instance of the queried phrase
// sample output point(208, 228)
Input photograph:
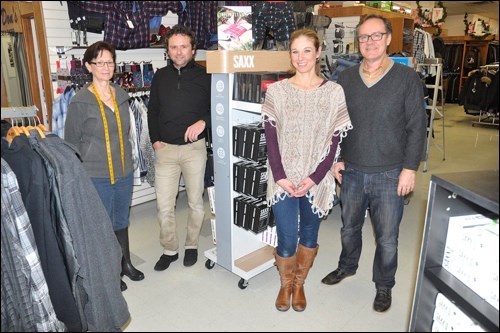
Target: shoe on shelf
point(190, 257)
point(165, 261)
point(336, 276)
point(123, 285)
point(382, 300)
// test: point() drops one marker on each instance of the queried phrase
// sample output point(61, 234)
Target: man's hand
point(406, 182)
point(157, 145)
point(337, 167)
point(194, 131)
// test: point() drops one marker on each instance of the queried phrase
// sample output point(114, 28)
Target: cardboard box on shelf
point(384, 5)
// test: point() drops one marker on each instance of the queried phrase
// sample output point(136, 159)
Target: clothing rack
point(493, 66)
point(19, 111)
point(27, 116)
point(434, 109)
point(484, 117)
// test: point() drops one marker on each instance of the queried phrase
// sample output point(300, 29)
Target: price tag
point(129, 23)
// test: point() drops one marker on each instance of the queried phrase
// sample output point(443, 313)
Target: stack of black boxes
point(250, 178)
point(252, 87)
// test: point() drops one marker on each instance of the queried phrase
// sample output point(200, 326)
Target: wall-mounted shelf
point(399, 22)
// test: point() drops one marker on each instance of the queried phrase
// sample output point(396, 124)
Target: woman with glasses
point(98, 124)
point(380, 156)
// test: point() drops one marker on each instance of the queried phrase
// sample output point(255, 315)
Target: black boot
point(127, 268)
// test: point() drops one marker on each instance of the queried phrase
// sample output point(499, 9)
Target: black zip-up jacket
point(178, 99)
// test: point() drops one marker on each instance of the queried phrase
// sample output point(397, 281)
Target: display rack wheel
point(209, 264)
point(243, 283)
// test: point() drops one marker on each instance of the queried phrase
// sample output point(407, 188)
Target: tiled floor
point(198, 299)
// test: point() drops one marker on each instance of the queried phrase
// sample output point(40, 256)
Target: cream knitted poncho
point(306, 121)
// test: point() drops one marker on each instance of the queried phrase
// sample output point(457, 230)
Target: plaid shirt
point(201, 18)
point(127, 22)
point(26, 303)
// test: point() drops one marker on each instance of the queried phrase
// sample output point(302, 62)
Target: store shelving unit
point(469, 42)
point(400, 23)
point(237, 250)
point(452, 195)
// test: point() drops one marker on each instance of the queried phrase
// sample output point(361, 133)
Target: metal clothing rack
point(23, 119)
point(19, 111)
point(435, 109)
point(485, 118)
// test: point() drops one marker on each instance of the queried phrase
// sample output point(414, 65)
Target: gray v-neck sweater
point(389, 120)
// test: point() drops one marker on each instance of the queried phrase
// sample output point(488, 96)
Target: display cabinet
point(237, 250)
point(453, 195)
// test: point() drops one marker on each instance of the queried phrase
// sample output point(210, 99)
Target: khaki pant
point(172, 161)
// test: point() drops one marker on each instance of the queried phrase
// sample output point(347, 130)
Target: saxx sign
point(243, 61)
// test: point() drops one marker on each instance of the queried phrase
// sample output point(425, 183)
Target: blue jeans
point(286, 214)
point(378, 191)
point(116, 198)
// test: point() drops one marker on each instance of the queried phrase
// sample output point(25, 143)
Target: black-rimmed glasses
point(102, 63)
point(376, 36)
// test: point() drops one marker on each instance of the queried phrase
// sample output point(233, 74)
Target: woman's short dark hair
point(94, 50)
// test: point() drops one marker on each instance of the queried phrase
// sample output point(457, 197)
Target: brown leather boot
point(305, 259)
point(286, 268)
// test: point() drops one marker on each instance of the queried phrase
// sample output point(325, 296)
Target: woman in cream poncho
point(305, 118)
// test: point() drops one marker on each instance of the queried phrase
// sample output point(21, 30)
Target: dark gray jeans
point(378, 192)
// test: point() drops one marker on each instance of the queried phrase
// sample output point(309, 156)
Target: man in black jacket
point(178, 114)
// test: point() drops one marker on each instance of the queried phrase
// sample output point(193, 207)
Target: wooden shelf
point(463, 39)
point(255, 258)
point(358, 11)
point(399, 22)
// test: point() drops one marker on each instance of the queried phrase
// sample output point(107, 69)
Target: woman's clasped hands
point(298, 190)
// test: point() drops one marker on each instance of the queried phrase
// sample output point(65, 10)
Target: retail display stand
point(433, 110)
point(453, 197)
point(238, 250)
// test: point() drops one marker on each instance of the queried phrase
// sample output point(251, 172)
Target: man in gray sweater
point(380, 156)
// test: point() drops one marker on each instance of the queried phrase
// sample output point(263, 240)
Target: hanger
point(41, 126)
point(34, 129)
point(37, 131)
point(12, 133)
point(22, 129)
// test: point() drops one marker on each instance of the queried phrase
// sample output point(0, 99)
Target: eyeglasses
point(102, 63)
point(376, 36)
